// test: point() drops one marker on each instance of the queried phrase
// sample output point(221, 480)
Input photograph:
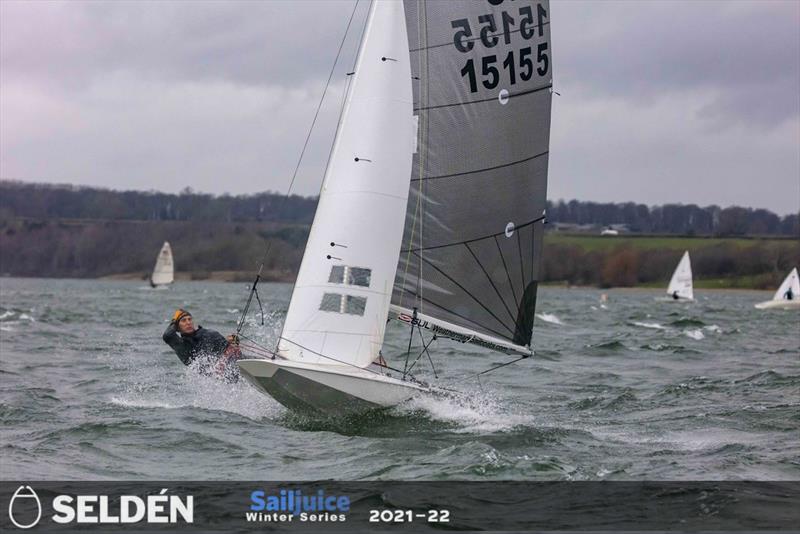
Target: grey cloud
point(72, 44)
point(746, 52)
point(662, 101)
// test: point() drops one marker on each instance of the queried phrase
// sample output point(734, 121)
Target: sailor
point(789, 295)
point(675, 295)
point(212, 353)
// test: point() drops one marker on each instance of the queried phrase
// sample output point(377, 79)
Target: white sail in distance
point(338, 309)
point(681, 282)
point(790, 282)
point(164, 270)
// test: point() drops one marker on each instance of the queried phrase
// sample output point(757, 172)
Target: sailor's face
point(185, 325)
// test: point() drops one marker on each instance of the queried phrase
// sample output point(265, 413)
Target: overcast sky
point(691, 102)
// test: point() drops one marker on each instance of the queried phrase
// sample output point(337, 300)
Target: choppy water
point(632, 389)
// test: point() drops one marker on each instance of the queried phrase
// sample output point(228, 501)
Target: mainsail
point(790, 282)
point(341, 298)
point(164, 270)
point(681, 282)
point(471, 250)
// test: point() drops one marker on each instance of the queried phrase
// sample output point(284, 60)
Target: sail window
point(337, 275)
point(354, 305)
point(354, 276)
point(331, 302)
point(334, 302)
point(359, 276)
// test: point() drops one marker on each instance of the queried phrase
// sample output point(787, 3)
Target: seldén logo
point(21, 505)
point(100, 509)
point(291, 504)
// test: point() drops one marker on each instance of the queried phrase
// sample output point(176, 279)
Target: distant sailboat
point(787, 297)
point(432, 207)
point(680, 286)
point(164, 270)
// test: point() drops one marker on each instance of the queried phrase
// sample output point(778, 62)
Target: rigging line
point(496, 367)
point(424, 160)
point(533, 249)
point(257, 344)
point(502, 232)
point(451, 312)
point(468, 39)
point(476, 171)
point(466, 377)
point(410, 338)
point(465, 290)
point(297, 167)
point(413, 379)
point(521, 266)
point(506, 268)
point(511, 95)
point(511, 315)
point(420, 169)
point(425, 350)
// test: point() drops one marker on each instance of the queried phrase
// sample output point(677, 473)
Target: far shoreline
point(288, 278)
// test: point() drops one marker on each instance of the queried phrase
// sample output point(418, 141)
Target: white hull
point(333, 390)
point(779, 305)
point(670, 299)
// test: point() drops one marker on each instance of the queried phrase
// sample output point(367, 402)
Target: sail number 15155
point(490, 72)
point(515, 65)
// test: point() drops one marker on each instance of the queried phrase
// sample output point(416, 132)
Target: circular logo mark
point(22, 498)
point(509, 229)
point(503, 97)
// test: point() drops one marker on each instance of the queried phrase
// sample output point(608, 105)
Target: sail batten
point(471, 248)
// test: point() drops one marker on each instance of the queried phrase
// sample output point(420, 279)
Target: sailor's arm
point(174, 340)
point(171, 334)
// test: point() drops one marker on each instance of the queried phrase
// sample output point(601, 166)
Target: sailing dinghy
point(164, 270)
point(680, 285)
point(787, 297)
point(431, 208)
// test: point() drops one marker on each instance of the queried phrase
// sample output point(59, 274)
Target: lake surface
point(633, 389)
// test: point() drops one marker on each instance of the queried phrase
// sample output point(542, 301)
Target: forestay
point(471, 249)
point(164, 270)
point(790, 282)
point(681, 282)
point(341, 298)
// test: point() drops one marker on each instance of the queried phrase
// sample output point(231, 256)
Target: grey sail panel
point(473, 234)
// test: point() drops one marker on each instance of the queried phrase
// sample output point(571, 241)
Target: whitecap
point(549, 318)
point(474, 412)
point(655, 326)
point(133, 403)
point(694, 334)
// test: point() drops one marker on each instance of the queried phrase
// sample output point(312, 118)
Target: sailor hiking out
point(203, 348)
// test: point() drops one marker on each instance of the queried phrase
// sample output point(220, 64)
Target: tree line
point(679, 219)
point(47, 201)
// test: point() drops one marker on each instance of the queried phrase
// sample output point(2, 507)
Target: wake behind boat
point(787, 297)
point(426, 141)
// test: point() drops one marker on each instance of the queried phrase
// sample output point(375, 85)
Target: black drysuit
point(189, 347)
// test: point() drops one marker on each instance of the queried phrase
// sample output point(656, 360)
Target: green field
point(680, 243)
point(648, 261)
